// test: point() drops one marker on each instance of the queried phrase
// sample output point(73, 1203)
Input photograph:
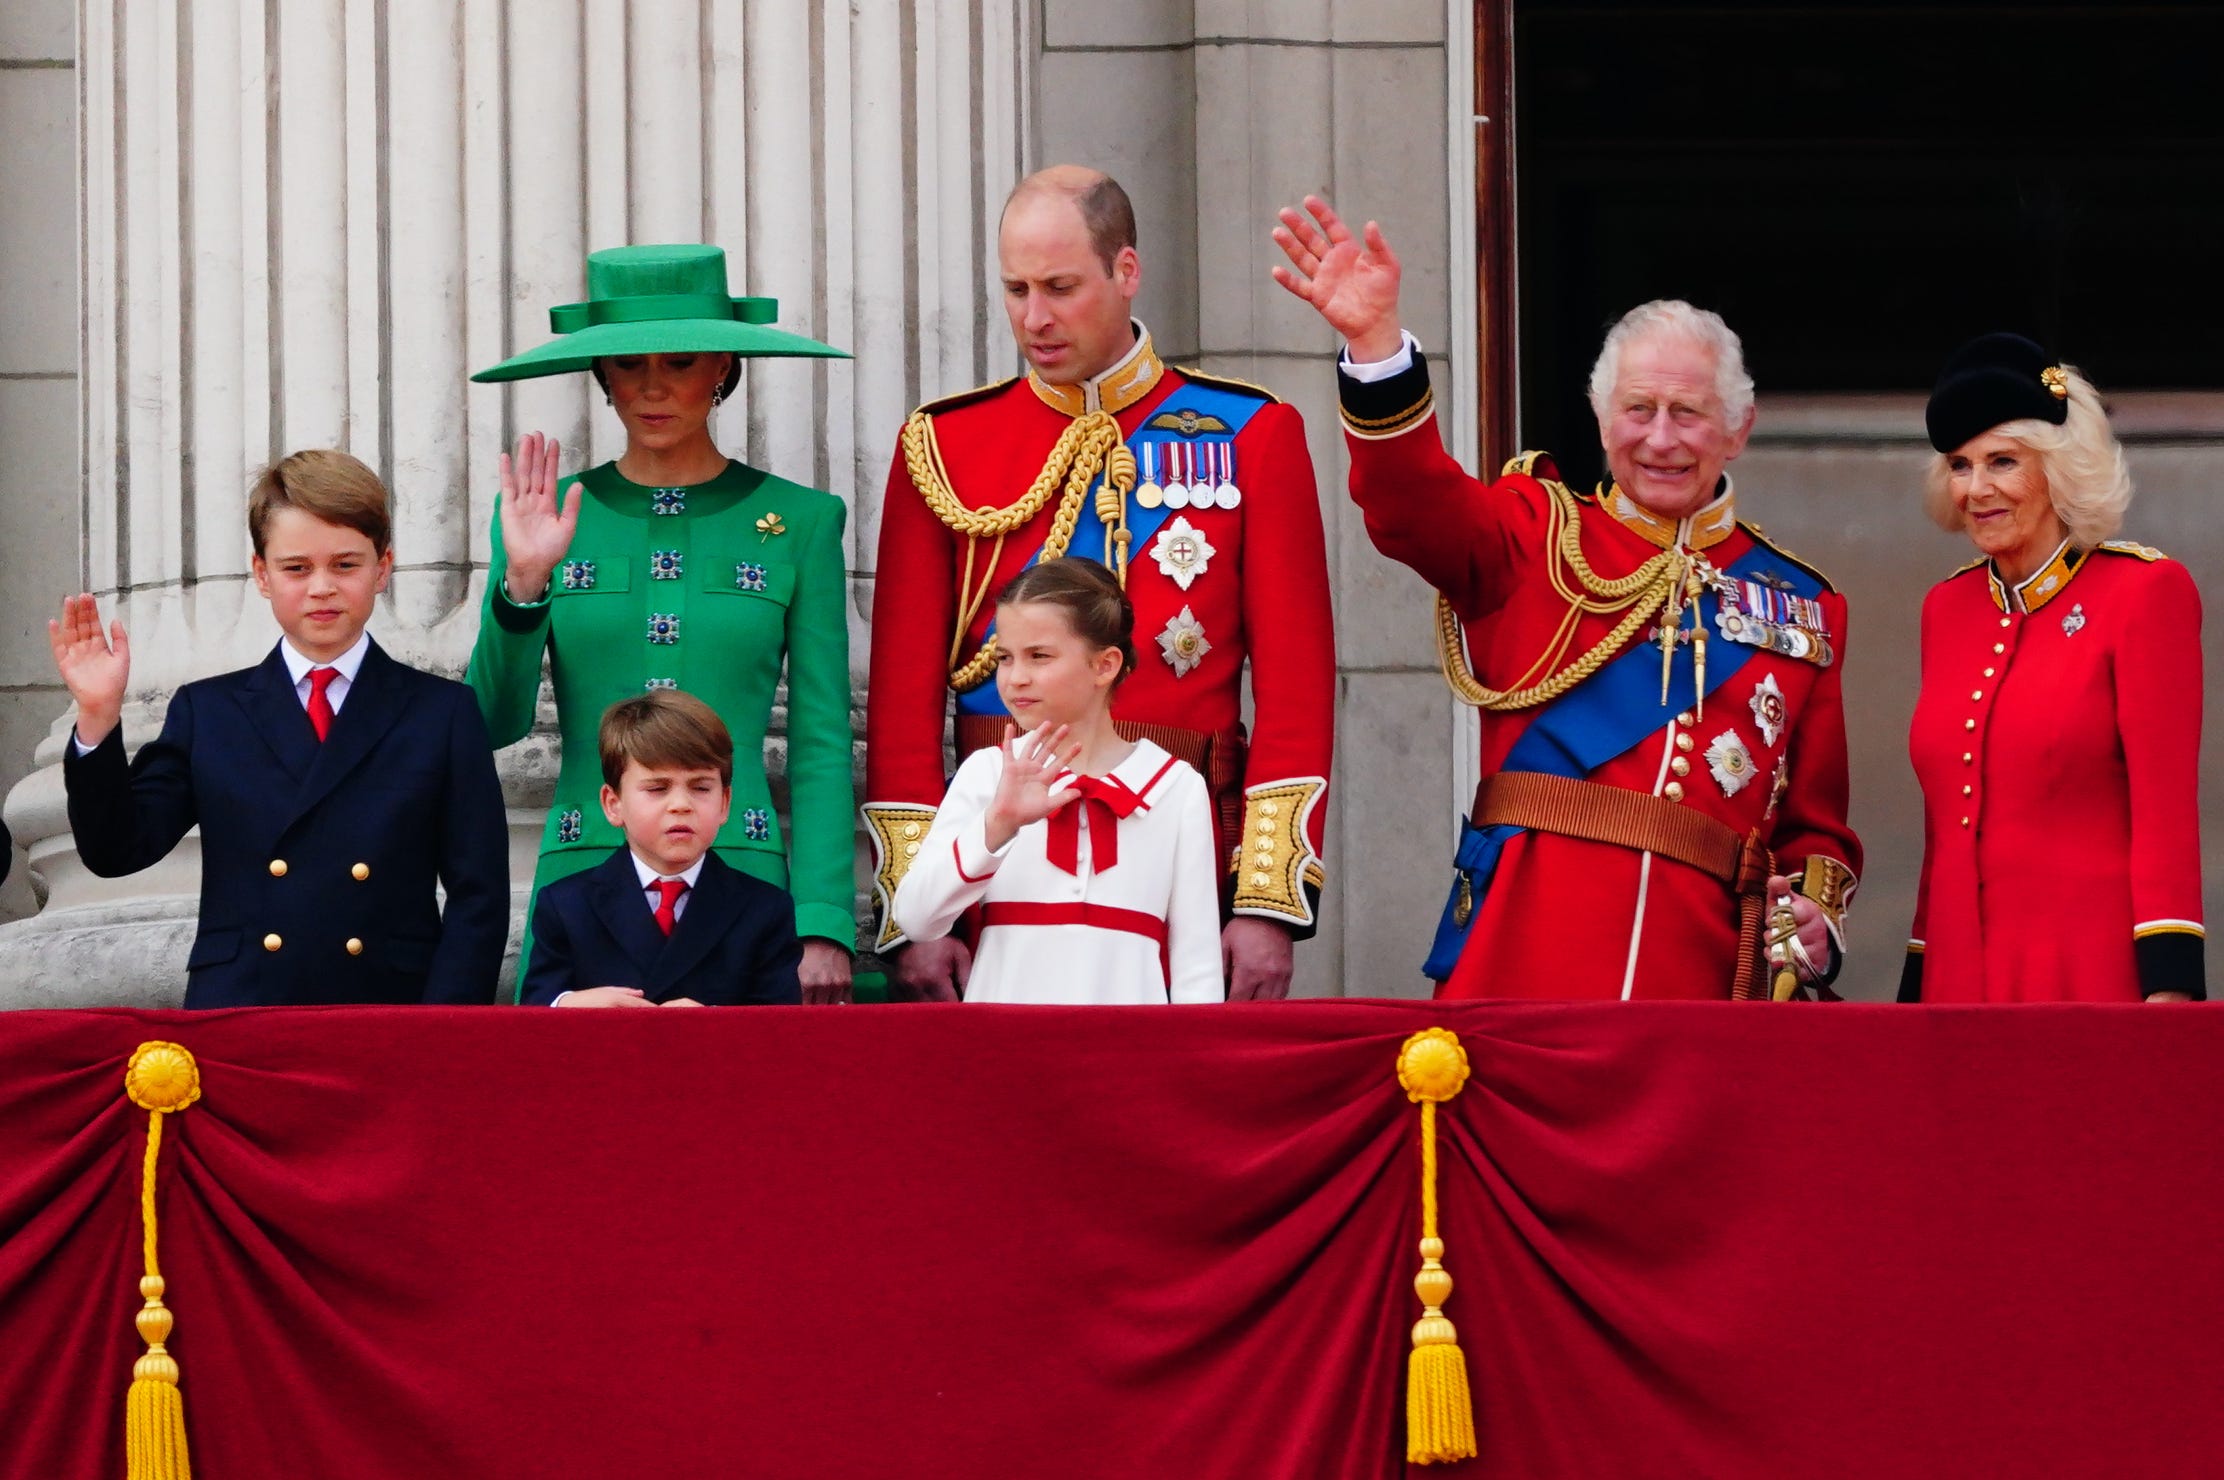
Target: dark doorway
point(1858, 188)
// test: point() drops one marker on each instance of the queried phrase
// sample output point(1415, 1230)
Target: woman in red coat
point(2058, 734)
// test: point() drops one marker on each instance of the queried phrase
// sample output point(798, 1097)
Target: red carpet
point(1009, 1242)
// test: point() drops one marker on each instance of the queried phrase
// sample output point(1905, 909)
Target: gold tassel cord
point(161, 1079)
point(1439, 1410)
point(1638, 596)
point(1091, 444)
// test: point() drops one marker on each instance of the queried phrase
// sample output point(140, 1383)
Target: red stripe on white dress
point(1102, 916)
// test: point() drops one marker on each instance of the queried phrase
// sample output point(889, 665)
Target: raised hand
point(1354, 285)
point(536, 528)
point(96, 669)
point(1027, 792)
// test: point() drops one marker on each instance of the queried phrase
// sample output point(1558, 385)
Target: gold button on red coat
point(1674, 791)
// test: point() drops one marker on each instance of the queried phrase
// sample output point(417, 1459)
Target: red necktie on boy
point(320, 707)
point(668, 892)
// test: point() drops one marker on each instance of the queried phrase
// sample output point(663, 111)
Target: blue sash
point(1233, 408)
point(1599, 719)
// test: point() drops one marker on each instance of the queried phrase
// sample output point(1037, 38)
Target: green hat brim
point(579, 349)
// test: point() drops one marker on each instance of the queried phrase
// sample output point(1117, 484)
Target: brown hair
point(725, 387)
point(1104, 206)
point(665, 727)
point(326, 484)
point(1089, 595)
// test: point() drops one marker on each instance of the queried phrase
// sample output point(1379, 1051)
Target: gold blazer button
point(361, 871)
point(272, 942)
point(277, 868)
point(355, 947)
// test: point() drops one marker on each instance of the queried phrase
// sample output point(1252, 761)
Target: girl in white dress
point(1089, 857)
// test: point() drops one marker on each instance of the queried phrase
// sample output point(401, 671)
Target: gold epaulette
point(1528, 463)
point(1230, 383)
point(956, 399)
point(1972, 565)
point(2134, 549)
point(1755, 531)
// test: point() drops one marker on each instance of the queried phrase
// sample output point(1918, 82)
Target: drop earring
point(717, 398)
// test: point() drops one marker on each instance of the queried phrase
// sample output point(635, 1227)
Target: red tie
point(668, 892)
point(320, 707)
point(1107, 800)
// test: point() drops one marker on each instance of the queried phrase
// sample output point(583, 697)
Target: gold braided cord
point(1092, 443)
point(1639, 596)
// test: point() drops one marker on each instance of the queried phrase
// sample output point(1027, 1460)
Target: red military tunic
point(1565, 916)
point(1257, 594)
point(2058, 741)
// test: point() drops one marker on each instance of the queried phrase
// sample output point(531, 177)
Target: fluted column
point(305, 222)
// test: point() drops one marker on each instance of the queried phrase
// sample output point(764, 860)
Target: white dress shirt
point(348, 663)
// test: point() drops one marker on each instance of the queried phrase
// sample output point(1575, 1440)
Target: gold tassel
point(161, 1079)
point(1439, 1411)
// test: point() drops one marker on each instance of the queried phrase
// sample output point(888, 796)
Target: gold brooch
point(768, 526)
point(2057, 380)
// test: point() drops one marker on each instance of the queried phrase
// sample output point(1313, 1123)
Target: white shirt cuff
point(1374, 370)
point(79, 747)
point(976, 860)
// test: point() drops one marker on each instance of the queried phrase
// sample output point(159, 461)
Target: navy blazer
point(734, 943)
point(318, 861)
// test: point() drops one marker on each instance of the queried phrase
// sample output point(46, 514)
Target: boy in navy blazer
point(333, 786)
point(663, 921)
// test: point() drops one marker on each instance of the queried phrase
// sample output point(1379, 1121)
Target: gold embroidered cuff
point(1831, 885)
point(1273, 861)
point(1382, 428)
point(898, 828)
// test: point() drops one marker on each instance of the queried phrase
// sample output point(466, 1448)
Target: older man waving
point(1663, 737)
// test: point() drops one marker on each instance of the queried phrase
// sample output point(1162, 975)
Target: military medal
point(1181, 551)
point(1150, 495)
point(1731, 763)
point(1765, 613)
point(1177, 487)
point(1225, 494)
point(1183, 642)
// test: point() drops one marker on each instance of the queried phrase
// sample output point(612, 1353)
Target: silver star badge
point(1182, 551)
point(1768, 709)
point(1183, 642)
point(2074, 623)
point(1731, 763)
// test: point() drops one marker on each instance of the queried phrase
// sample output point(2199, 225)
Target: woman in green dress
point(676, 567)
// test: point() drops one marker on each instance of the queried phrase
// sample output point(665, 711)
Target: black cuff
point(2170, 961)
point(1384, 408)
point(1911, 978)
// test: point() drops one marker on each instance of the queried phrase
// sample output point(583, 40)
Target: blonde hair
point(324, 483)
point(2087, 480)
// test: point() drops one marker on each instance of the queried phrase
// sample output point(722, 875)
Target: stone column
point(306, 221)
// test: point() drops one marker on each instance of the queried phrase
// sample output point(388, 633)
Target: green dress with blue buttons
point(713, 589)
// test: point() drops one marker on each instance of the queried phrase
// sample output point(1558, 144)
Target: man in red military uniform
point(1662, 730)
point(1198, 491)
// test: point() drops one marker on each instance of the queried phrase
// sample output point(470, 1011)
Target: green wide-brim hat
point(665, 300)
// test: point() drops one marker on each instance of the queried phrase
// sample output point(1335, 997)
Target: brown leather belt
point(1645, 824)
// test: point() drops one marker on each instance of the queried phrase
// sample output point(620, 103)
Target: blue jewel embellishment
point(756, 825)
point(664, 628)
point(664, 565)
point(667, 500)
point(749, 576)
point(579, 575)
point(662, 683)
point(569, 827)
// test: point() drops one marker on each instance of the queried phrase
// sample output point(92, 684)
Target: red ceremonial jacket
point(1565, 917)
point(1258, 598)
point(2058, 742)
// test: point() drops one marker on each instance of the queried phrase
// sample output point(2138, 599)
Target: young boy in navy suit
point(663, 922)
point(333, 786)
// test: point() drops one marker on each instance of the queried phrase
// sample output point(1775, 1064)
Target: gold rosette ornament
point(161, 1079)
point(1439, 1412)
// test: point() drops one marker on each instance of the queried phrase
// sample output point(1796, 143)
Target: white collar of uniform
point(349, 663)
point(648, 876)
